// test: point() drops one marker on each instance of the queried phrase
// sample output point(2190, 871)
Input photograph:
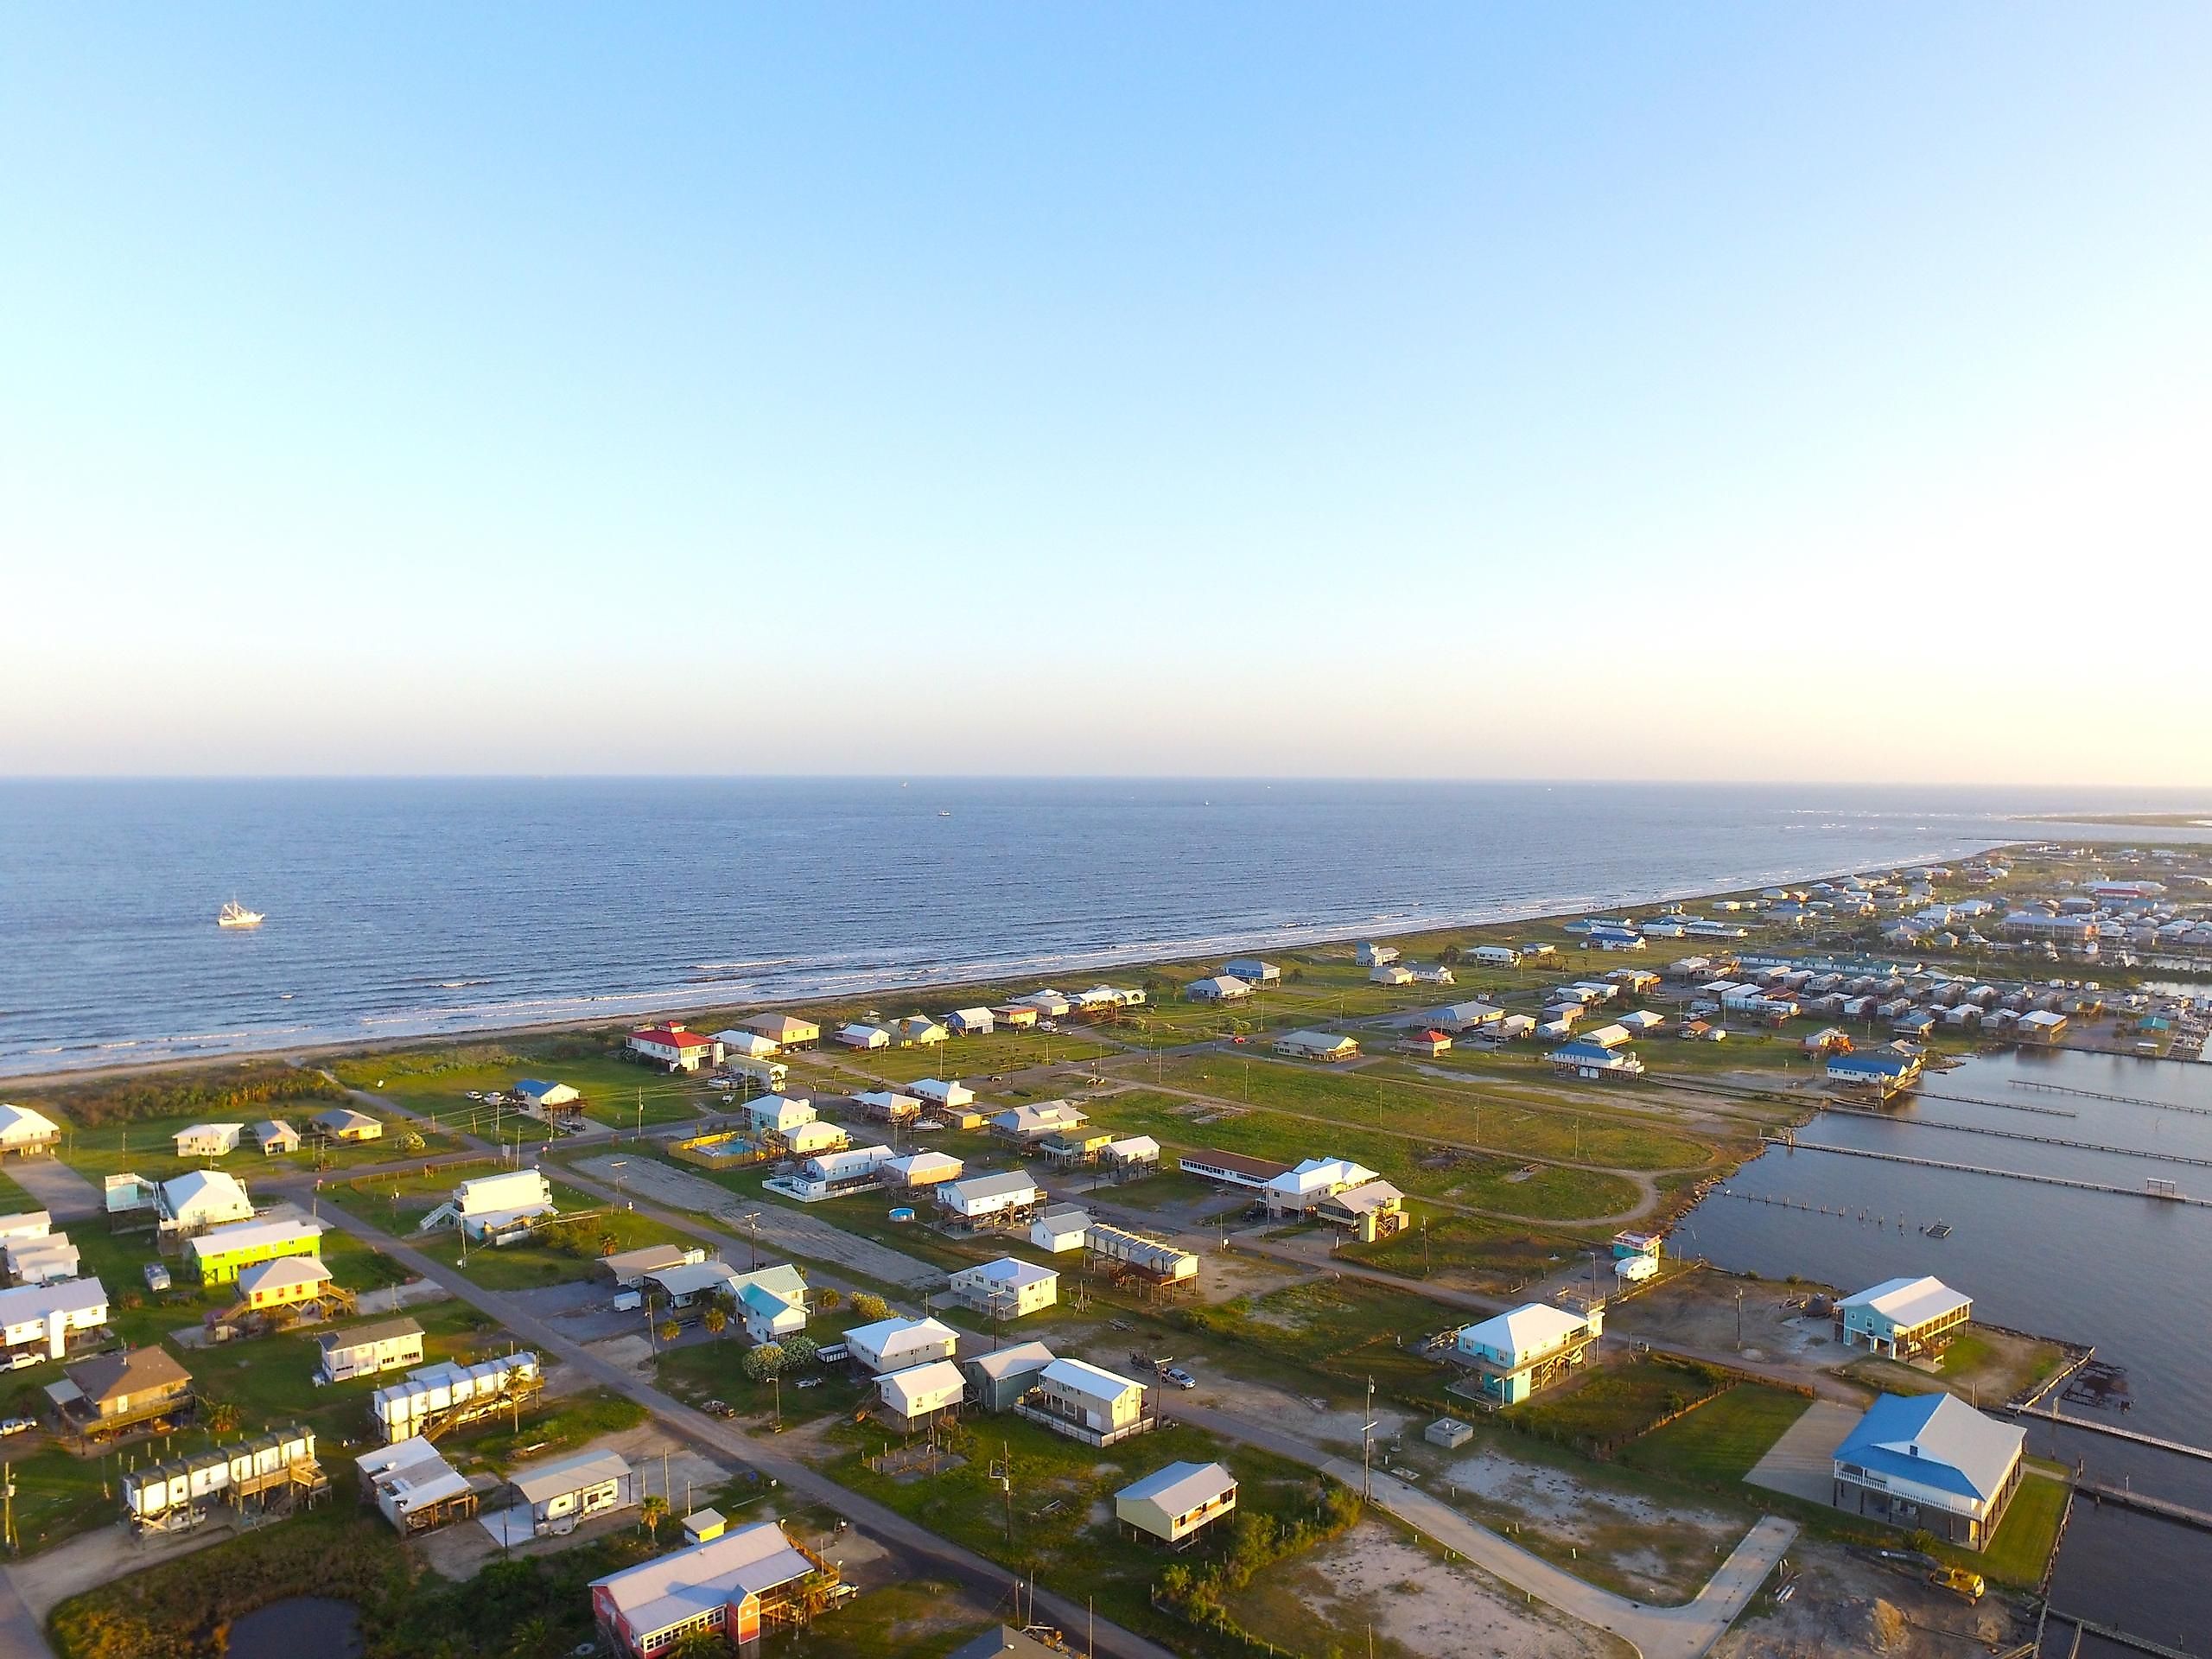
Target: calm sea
point(399, 908)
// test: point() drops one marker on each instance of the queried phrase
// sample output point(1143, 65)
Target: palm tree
point(651, 1511)
point(716, 1320)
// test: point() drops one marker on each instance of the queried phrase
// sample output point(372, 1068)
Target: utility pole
point(1002, 1472)
point(1367, 1447)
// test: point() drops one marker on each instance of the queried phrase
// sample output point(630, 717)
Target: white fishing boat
point(235, 914)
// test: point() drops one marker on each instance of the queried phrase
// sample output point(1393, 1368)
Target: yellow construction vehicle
point(1959, 1581)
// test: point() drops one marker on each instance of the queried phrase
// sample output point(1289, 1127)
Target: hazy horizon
point(1688, 396)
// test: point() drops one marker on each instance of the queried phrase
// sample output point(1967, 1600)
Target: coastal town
point(1336, 1299)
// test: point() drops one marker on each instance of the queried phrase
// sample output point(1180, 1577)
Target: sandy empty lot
point(1416, 1605)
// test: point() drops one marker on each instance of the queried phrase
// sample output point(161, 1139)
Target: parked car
point(1179, 1377)
point(17, 1425)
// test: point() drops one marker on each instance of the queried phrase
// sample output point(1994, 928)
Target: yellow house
point(282, 1282)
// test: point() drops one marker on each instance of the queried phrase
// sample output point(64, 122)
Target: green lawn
point(147, 1147)
point(1058, 1485)
point(1545, 1192)
point(397, 1203)
point(439, 1082)
point(1470, 1251)
point(2021, 1550)
point(1717, 1445)
point(1611, 1405)
point(1400, 1100)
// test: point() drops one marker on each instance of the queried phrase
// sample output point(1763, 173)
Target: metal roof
point(1936, 1440)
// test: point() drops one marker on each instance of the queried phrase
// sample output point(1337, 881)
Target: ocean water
point(400, 908)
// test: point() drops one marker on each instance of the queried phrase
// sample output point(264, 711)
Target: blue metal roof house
point(1930, 1461)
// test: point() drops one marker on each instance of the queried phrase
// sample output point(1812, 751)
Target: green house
point(220, 1253)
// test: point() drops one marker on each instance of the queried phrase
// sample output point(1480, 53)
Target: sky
point(1463, 391)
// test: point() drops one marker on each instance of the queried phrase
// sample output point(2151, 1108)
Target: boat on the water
point(235, 914)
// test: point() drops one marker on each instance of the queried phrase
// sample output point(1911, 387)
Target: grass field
point(1060, 1490)
point(147, 1147)
point(1718, 1443)
point(438, 1082)
point(2028, 1532)
point(397, 1203)
point(1470, 1251)
point(1611, 1405)
point(1546, 1192)
point(1361, 1100)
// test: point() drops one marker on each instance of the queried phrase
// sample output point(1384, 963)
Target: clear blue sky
point(1785, 392)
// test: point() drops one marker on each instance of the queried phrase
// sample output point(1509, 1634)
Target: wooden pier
point(2117, 1100)
point(2127, 1498)
point(1981, 1169)
point(2022, 1135)
point(2140, 1643)
point(2052, 1414)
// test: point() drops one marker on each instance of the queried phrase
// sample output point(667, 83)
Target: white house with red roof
point(675, 1046)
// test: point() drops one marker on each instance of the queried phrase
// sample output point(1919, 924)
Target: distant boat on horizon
point(235, 914)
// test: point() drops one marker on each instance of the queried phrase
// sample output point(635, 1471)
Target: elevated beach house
point(674, 1047)
point(1512, 1355)
point(1930, 1462)
point(1902, 1319)
point(26, 1133)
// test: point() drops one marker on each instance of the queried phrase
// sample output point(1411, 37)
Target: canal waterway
point(2131, 1275)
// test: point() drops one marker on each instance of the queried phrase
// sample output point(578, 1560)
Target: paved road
point(793, 1230)
point(22, 1637)
point(886, 1526)
point(65, 1194)
point(1680, 1632)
